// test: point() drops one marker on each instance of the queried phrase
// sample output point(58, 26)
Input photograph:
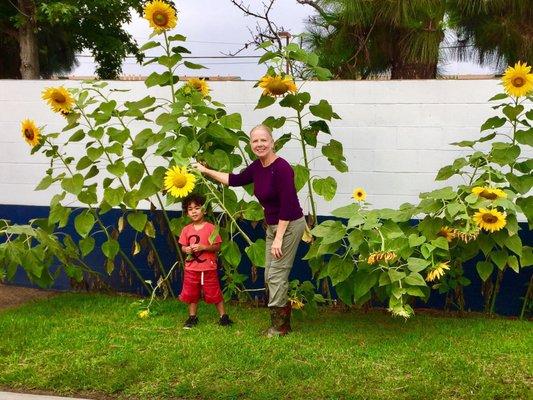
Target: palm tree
point(360, 38)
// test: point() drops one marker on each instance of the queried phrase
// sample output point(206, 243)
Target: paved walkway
point(22, 396)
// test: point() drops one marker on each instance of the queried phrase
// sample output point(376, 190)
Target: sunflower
point(489, 193)
point(466, 236)
point(160, 15)
point(438, 271)
point(277, 85)
point(199, 85)
point(59, 99)
point(490, 220)
point(517, 80)
point(296, 304)
point(30, 132)
point(359, 194)
point(447, 233)
point(378, 256)
point(143, 314)
point(179, 182)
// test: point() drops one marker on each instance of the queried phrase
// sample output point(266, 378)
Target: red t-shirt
point(201, 260)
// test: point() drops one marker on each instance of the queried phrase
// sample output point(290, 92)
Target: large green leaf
point(231, 121)
point(415, 279)
point(83, 223)
point(256, 253)
point(347, 211)
point(231, 253)
point(135, 171)
point(110, 248)
point(322, 110)
point(137, 220)
point(113, 196)
point(301, 176)
point(364, 281)
point(484, 269)
point(73, 184)
point(330, 231)
point(504, 153)
point(325, 187)
point(339, 268)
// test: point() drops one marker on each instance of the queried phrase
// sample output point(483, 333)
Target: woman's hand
point(201, 168)
point(275, 249)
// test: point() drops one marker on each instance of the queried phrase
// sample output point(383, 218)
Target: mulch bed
point(13, 296)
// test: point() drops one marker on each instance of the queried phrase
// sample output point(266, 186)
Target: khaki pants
point(277, 271)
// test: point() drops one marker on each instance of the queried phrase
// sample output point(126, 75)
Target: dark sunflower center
point(489, 218)
point(59, 98)
point(160, 18)
point(277, 87)
point(519, 81)
point(488, 195)
point(28, 134)
point(359, 194)
point(179, 181)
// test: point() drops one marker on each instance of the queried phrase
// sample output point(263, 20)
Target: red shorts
point(194, 284)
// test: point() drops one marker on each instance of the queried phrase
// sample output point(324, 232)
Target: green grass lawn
point(96, 346)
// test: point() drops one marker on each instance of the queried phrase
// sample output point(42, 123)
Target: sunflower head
point(447, 233)
point(30, 132)
point(359, 194)
point(489, 193)
point(143, 314)
point(438, 271)
point(160, 15)
point(517, 80)
point(178, 182)
point(277, 85)
point(378, 256)
point(296, 304)
point(490, 219)
point(198, 85)
point(59, 99)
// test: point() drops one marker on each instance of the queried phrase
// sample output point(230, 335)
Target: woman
point(273, 180)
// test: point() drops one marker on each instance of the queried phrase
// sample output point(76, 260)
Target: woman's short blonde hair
point(263, 127)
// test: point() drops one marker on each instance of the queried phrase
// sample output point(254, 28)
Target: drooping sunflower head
point(59, 99)
point(377, 256)
point(490, 219)
point(30, 132)
point(447, 233)
point(517, 80)
point(277, 85)
point(200, 85)
point(438, 271)
point(489, 193)
point(296, 304)
point(160, 15)
point(359, 194)
point(178, 182)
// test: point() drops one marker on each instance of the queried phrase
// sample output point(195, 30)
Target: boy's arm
point(214, 248)
point(186, 249)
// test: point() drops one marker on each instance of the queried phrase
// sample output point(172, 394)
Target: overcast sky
point(217, 27)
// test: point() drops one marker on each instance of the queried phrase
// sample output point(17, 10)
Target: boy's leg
point(213, 295)
point(220, 308)
point(193, 308)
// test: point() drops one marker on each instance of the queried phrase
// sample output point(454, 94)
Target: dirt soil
point(13, 296)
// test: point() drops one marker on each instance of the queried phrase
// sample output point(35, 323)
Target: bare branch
point(315, 5)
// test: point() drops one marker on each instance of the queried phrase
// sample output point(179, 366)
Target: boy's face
point(195, 212)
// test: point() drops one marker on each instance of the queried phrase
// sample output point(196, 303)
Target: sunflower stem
point(167, 51)
point(526, 297)
point(306, 163)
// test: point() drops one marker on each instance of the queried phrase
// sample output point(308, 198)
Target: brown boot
point(286, 315)
point(280, 318)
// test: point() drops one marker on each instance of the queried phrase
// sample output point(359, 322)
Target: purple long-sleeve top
point(274, 188)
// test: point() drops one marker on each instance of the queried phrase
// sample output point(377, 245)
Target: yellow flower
point(438, 271)
point(296, 304)
point(489, 193)
point(517, 80)
point(59, 99)
point(179, 182)
point(199, 85)
point(447, 233)
point(378, 256)
point(277, 85)
point(143, 314)
point(30, 132)
point(490, 220)
point(359, 194)
point(160, 15)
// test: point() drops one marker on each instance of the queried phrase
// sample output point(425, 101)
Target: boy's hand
point(187, 249)
point(197, 247)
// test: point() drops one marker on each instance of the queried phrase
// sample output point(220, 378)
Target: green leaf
point(149, 230)
point(322, 110)
point(59, 215)
point(45, 183)
point(326, 187)
point(512, 112)
point(356, 238)
point(500, 258)
point(83, 223)
point(113, 196)
point(440, 243)
point(347, 212)
point(231, 121)
point(301, 176)
point(256, 253)
point(527, 256)
point(177, 38)
point(339, 269)
point(274, 123)
point(484, 269)
point(73, 185)
point(110, 248)
point(446, 193)
point(135, 172)
point(94, 153)
point(296, 101)
point(415, 279)
point(364, 281)
point(330, 231)
point(417, 264)
point(265, 101)
point(219, 132)
point(522, 184)
point(415, 240)
point(514, 243)
point(499, 96)
point(525, 137)
point(191, 65)
point(395, 275)
point(334, 153)
point(149, 45)
point(118, 168)
point(83, 163)
point(231, 253)
point(504, 153)
point(143, 103)
point(512, 262)
point(86, 245)
point(493, 123)
point(137, 220)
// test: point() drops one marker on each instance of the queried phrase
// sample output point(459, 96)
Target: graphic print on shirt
point(196, 255)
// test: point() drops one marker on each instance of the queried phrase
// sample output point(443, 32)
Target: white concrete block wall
point(395, 134)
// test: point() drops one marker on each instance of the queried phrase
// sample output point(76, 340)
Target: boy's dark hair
point(192, 198)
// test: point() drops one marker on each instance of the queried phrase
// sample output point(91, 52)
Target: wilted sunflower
point(359, 194)
point(199, 85)
point(277, 85)
point(466, 236)
point(30, 132)
point(517, 80)
point(178, 182)
point(447, 233)
point(378, 256)
point(490, 220)
point(296, 304)
point(438, 271)
point(59, 99)
point(489, 193)
point(160, 15)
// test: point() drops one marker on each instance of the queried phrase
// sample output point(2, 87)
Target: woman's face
point(261, 142)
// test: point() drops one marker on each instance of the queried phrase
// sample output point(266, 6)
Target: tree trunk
point(29, 52)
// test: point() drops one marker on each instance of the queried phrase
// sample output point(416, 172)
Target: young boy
point(201, 263)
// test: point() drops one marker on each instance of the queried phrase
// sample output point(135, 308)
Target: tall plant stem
point(160, 263)
point(495, 291)
point(526, 297)
point(171, 73)
point(306, 163)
